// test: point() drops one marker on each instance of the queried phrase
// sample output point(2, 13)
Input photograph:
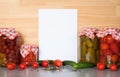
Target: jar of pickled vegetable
point(9, 46)
point(89, 45)
point(109, 46)
point(28, 54)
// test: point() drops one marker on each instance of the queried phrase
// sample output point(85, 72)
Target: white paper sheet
point(58, 34)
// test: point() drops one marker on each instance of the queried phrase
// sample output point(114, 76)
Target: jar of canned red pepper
point(89, 45)
point(28, 54)
point(109, 46)
point(9, 46)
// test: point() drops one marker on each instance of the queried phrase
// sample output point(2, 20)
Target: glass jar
point(109, 46)
point(89, 45)
point(28, 54)
point(118, 41)
point(9, 46)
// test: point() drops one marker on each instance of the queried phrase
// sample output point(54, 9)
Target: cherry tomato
point(118, 42)
point(104, 46)
point(35, 65)
point(108, 52)
point(102, 40)
point(45, 63)
point(102, 52)
point(113, 67)
point(114, 47)
point(57, 63)
point(109, 39)
point(11, 66)
point(22, 66)
point(114, 58)
point(103, 59)
point(100, 66)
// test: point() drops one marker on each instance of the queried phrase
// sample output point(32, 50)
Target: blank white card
point(58, 34)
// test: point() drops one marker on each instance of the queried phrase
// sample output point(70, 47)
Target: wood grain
point(23, 14)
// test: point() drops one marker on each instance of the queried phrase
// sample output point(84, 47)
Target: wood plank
point(67, 2)
point(32, 2)
point(9, 2)
point(117, 2)
point(98, 26)
point(18, 12)
point(96, 10)
point(94, 3)
point(20, 21)
point(95, 19)
point(118, 10)
point(31, 41)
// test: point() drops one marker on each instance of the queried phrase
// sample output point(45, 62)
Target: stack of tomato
point(109, 48)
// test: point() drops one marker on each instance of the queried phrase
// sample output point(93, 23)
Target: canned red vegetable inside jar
point(9, 46)
point(109, 46)
point(28, 54)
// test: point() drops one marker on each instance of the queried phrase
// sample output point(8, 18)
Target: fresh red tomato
point(11, 66)
point(22, 66)
point(35, 65)
point(45, 63)
point(100, 66)
point(58, 63)
point(104, 46)
point(109, 39)
point(113, 67)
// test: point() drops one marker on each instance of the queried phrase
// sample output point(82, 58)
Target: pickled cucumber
point(89, 49)
point(97, 55)
point(83, 38)
point(89, 42)
point(95, 43)
point(83, 51)
point(92, 56)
